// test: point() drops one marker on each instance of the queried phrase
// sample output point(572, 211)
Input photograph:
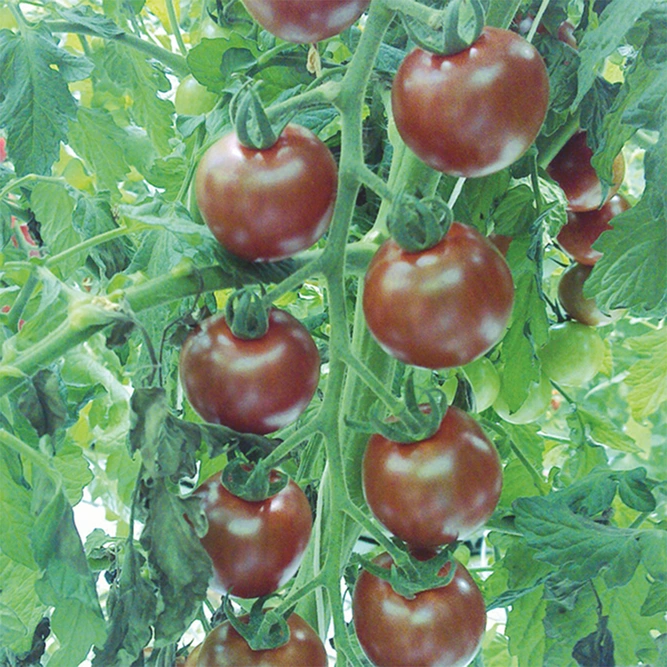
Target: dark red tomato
point(267, 204)
point(255, 546)
point(573, 171)
point(305, 22)
point(435, 491)
point(571, 297)
point(475, 112)
point(441, 307)
point(224, 647)
point(251, 386)
point(566, 34)
point(583, 229)
point(443, 626)
point(501, 242)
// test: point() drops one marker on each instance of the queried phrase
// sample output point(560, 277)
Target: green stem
point(34, 456)
point(175, 28)
point(285, 448)
point(15, 312)
point(175, 62)
point(92, 242)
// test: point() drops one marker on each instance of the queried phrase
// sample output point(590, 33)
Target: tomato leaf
point(36, 104)
point(211, 65)
point(596, 648)
point(86, 17)
point(525, 628)
point(656, 599)
point(654, 552)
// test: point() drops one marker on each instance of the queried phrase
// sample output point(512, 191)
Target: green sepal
point(263, 630)
point(447, 31)
point(418, 224)
point(411, 575)
point(252, 483)
point(246, 314)
point(251, 122)
point(464, 398)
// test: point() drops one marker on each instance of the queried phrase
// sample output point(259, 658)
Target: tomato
point(225, 647)
point(437, 490)
point(441, 307)
point(3, 150)
point(583, 229)
point(573, 354)
point(534, 407)
point(575, 304)
point(255, 546)
point(193, 658)
point(192, 98)
point(573, 171)
point(252, 386)
point(268, 204)
point(475, 112)
point(485, 382)
point(305, 22)
point(502, 242)
point(566, 34)
point(442, 626)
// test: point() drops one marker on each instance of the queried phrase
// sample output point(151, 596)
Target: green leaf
point(206, 60)
point(615, 21)
point(647, 377)
point(602, 431)
point(656, 599)
point(575, 544)
point(36, 105)
point(654, 552)
point(53, 207)
point(87, 18)
point(43, 403)
point(634, 491)
point(525, 628)
point(74, 470)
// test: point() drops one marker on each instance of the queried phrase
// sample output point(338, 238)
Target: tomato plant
point(573, 355)
point(584, 228)
point(292, 21)
point(573, 171)
point(192, 98)
point(471, 114)
point(437, 490)
point(255, 546)
point(485, 382)
point(226, 378)
point(571, 297)
point(267, 204)
point(442, 626)
point(532, 409)
point(440, 307)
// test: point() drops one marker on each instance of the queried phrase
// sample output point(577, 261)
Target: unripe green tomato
point(485, 381)
point(534, 407)
point(192, 98)
point(573, 354)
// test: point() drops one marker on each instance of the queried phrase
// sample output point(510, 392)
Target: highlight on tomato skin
point(256, 546)
point(432, 492)
point(476, 112)
point(441, 626)
point(305, 21)
point(573, 171)
point(572, 299)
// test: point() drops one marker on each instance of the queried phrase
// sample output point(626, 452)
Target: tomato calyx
point(253, 127)
point(413, 572)
point(449, 30)
point(252, 482)
point(417, 422)
point(262, 630)
point(464, 398)
point(418, 224)
point(246, 314)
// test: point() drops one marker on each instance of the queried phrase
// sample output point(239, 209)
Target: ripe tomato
point(575, 304)
point(3, 150)
point(502, 242)
point(437, 490)
point(256, 547)
point(475, 112)
point(267, 204)
point(534, 407)
point(573, 354)
point(251, 386)
point(192, 98)
point(442, 626)
point(485, 381)
point(583, 229)
point(305, 22)
point(224, 646)
point(573, 171)
point(441, 307)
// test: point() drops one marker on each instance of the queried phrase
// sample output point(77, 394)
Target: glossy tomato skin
point(575, 304)
point(441, 307)
point(583, 229)
point(442, 626)
point(192, 98)
point(475, 112)
point(255, 546)
point(224, 647)
point(305, 22)
point(266, 205)
point(252, 386)
point(437, 490)
point(573, 171)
